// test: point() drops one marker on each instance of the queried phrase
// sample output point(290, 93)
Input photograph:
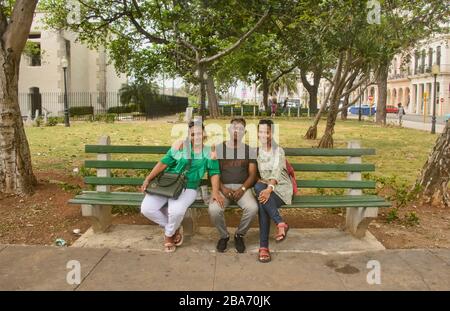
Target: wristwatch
point(272, 186)
point(243, 188)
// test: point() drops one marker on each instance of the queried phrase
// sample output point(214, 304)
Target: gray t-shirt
point(234, 162)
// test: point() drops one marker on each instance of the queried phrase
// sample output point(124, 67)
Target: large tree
point(435, 175)
point(182, 38)
point(16, 173)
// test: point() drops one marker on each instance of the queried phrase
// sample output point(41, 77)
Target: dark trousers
point(267, 211)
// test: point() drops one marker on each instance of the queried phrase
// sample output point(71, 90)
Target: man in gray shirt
point(238, 174)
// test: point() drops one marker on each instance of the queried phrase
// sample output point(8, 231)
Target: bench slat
point(346, 184)
point(137, 196)
point(120, 164)
point(202, 205)
point(126, 149)
point(288, 151)
point(300, 167)
point(326, 152)
point(320, 167)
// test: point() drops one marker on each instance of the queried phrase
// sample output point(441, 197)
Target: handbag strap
point(187, 167)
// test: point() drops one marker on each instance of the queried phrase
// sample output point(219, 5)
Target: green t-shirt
point(176, 161)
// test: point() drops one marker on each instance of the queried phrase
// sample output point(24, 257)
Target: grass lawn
point(401, 152)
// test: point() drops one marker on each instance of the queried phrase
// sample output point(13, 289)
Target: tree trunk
point(382, 94)
point(16, 173)
point(327, 139)
point(265, 87)
point(434, 179)
point(212, 97)
point(313, 98)
point(311, 133)
point(345, 104)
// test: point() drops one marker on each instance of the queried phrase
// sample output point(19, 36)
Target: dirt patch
point(45, 216)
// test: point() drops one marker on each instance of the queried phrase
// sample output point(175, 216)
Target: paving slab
point(43, 267)
point(148, 270)
point(395, 273)
point(150, 237)
point(286, 272)
point(433, 270)
point(442, 253)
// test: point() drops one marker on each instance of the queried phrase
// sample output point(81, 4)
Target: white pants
point(168, 213)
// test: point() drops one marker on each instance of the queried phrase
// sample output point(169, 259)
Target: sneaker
point(239, 243)
point(222, 245)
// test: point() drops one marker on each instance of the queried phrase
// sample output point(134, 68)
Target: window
point(422, 63)
point(33, 49)
point(34, 54)
point(430, 57)
point(67, 43)
point(438, 55)
point(416, 62)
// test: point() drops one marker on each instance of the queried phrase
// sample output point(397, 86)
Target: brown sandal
point(264, 255)
point(169, 247)
point(178, 237)
point(281, 236)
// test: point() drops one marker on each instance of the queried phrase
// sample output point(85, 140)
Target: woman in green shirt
point(169, 213)
point(273, 189)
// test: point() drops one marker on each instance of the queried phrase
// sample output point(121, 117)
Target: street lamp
point(435, 71)
point(64, 65)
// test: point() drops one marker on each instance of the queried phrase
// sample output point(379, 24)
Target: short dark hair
point(192, 123)
point(239, 120)
point(267, 122)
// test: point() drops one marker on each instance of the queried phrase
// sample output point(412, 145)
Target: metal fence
point(88, 105)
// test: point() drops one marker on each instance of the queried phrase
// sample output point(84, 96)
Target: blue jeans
point(267, 211)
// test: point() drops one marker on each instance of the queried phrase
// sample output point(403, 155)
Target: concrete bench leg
point(358, 219)
point(99, 215)
point(190, 223)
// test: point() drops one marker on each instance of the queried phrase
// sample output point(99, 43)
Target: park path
point(45, 268)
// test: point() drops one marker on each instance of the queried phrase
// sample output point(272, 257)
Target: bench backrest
point(353, 166)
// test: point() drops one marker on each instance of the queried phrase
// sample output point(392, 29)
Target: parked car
point(391, 109)
point(365, 110)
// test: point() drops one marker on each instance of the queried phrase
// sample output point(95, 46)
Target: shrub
point(108, 118)
point(52, 121)
point(81, 111)
point(411, 219)
point(124, 109)
point(392, 215)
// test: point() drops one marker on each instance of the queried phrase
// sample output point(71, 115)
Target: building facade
point(89, 77)
point(411, 81)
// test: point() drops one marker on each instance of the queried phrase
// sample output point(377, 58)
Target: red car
point(391, 109)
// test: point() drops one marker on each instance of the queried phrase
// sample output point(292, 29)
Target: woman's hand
point(216, 196)
point(144, 185)
point(264, 195)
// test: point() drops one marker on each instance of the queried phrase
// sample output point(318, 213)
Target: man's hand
point(216, 196)
point(237, 194)
point(264, 195)
point(227, 192)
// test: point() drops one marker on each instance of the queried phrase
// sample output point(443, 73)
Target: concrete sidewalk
point(45, 268)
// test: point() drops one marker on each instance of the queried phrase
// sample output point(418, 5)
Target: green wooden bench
point(361, 208)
